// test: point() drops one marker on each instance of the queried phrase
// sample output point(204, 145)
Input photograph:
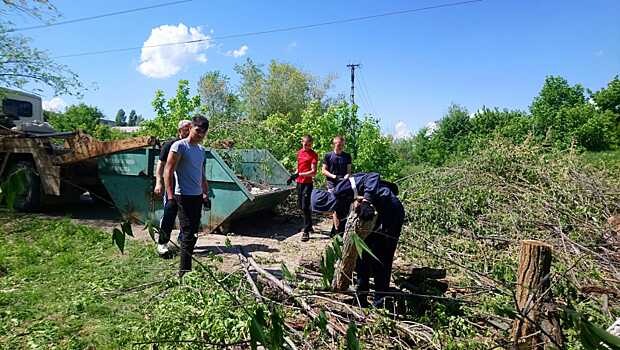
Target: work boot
point(305, 237)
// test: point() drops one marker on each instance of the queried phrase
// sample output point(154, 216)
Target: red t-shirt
point(305, 159)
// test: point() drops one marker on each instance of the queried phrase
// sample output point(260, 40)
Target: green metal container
point(241, 183)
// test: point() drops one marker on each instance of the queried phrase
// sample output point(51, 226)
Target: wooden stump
point(538, 326)
point(343, 276)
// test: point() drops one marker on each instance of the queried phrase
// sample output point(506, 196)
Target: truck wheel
point(29, 197)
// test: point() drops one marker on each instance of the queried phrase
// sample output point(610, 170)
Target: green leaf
point(126, 227)
point(257, 329)
point(151, 229)
point(352, 341)
point(322, 322)
point(361, 246)
point(277, 330)
point(287, 273)
point(590, 335)
point(227, 243)
point(118, 237)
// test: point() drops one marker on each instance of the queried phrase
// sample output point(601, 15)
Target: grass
point(67, 286)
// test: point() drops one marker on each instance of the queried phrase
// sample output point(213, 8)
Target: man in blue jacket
point(372, 194)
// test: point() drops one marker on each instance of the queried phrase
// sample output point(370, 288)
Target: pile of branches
point(471, 216)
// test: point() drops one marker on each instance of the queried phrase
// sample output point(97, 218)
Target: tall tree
point(22, 66)
point(217, 98)
point(82, 117)
point(170, 112)
point(133, 118)
point(121, 119)
point(252, 89)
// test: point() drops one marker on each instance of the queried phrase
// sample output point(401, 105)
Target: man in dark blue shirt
point(371, 193)
point(336, 164)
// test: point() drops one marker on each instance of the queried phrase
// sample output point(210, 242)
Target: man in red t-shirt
point(307, 160)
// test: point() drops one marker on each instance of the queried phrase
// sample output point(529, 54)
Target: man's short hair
point(183, 123)
point(307, 138)
point(201, 122)
point(338, 137)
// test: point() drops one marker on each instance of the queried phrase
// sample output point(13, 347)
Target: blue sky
point(493, 53)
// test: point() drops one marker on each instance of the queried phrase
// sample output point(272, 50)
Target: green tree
point(216, 96)
point(120, 119)
point(168, 113)
point(77, 117)
point(555, 95)
point(22, 66)
point(132, 120)
point(608, 98)
point(283, 89)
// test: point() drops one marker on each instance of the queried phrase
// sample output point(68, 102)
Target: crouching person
point(186, 165)
point(371, 193)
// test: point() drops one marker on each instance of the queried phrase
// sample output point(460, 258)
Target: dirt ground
point(271, 239)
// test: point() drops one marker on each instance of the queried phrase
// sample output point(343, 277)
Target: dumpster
point(241, 183)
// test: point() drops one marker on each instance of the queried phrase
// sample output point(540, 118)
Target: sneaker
point(305, 237)
point(162, 249)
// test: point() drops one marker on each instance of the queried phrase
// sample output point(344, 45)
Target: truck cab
point(19, 107)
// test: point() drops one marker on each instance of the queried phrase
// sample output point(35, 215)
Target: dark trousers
point(166, 224)
point(382, 242)
point(304, 191)
point(190, 211)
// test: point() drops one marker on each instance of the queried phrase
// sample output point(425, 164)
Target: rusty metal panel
point(84, 146)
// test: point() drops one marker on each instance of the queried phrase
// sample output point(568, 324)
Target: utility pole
point(353, 66)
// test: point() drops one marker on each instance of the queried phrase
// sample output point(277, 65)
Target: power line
point(277, 30)
point(83, 19)
point(367, 92)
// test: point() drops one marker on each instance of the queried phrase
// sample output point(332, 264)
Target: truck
point(57, 166)
point(60, 167)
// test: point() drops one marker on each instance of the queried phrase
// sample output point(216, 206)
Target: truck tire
point(29, 198)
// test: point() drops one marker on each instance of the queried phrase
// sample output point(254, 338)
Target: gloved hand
point(292, 178)
point(206, 203)
point(339, 178)
point(365, 211)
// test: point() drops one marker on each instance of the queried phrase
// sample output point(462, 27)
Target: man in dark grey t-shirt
point(186, 163)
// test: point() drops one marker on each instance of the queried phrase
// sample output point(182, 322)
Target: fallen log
point(343, 276)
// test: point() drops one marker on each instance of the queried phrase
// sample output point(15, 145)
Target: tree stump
point(539, 325)
point(343, 276)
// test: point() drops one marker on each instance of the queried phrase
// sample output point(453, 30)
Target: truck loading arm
point(84, 146)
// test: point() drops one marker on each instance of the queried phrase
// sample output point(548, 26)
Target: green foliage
point(270, 335)
point(352, 342)
point(560, 118)
point(327, 265)
point(470, 215)
point(217, 98)
point(121, 118)
point(23, 66)
point(86, 118)
point(170, 112)
point(134, 119)
point(11, 186)
point(64, 286)
point(283, 89)
point(591, 336)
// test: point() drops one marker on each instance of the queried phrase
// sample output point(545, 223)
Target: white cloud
point(167, 60)
point(238, 52)
point(401, 131)
point(431, 127)
point(599, 53)
point(56, 104)
point(292, 45)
